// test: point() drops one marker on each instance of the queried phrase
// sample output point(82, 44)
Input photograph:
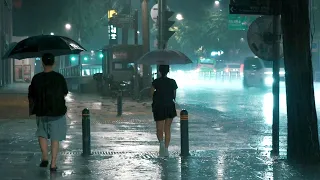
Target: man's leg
point(43, 142)
point(54, 153)
point(42, 138)
point(58, 132)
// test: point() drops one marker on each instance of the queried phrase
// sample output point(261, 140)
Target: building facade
point(6, 65)
point(24, 70)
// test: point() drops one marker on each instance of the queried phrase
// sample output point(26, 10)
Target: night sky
point(37, 16)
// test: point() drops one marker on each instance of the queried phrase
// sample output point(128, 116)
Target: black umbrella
point(164, 57)
point(36, 46)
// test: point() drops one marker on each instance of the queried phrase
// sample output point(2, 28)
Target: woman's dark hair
point(164, 69)
point(48, 59)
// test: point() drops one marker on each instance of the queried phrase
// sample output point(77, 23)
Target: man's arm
point(31, 90)
point(64, 87)
point(31, 97)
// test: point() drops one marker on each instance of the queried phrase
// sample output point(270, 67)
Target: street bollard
point(86, 135)
point(119, 104)
point(184, 130)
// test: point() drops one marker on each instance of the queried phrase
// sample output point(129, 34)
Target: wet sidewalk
point(129, 151)
point(15, 88)
point(126, 147)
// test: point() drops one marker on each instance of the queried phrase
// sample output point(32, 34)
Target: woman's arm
point(175, 87)
point(152, 91)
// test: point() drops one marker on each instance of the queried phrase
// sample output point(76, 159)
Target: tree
point(87, 15)
point(186, 37)
point(215, 27)
point(208, 32)
point(303, 142)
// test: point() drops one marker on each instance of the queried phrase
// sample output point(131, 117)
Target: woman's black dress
point(163, 105)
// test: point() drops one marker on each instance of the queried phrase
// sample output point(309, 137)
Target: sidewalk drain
point(107, 122)
point(96, 153)
point(130, 155)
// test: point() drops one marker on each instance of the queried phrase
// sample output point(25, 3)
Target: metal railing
point(72, 71)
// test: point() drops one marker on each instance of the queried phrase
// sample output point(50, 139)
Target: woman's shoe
point(161, 149)
point(44, 164)
point(166, 152)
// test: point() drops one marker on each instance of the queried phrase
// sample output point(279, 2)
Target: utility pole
point(125, 30)
point(135, 27)
point(146, 40)
point(79, 40)
point(136, 42)
point(276, 68)
point(161, 17)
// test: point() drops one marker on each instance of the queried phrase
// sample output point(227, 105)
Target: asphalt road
point(246, 113)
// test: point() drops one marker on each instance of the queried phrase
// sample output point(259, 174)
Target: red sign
point(120, 56)
point(17, 4)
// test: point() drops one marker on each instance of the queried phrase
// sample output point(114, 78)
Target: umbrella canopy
point(164, 57)
point(36, 46)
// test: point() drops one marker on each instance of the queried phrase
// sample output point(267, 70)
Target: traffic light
point(101, 55)
point(167, 26)
point(73, 58)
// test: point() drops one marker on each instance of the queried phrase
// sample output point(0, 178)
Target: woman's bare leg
point(160, 130)
point(167, 131)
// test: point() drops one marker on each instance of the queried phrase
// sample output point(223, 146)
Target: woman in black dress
point(163, 107)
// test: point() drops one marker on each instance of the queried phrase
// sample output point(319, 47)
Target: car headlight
point(268, 80)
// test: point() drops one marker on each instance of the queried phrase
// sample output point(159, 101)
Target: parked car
point(258, 72)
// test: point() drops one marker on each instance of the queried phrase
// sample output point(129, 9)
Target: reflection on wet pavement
point(229, 129)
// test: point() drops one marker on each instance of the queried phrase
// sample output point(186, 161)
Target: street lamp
point(179, 17)
point(217, 3)
point(68, 26)
point(51, 33)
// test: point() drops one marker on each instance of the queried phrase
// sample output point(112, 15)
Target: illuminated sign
point(120, 55)
point(113, 34)
point(112, 13)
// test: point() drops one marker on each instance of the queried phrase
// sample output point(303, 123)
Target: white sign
point(154, 12)
point(155, 43)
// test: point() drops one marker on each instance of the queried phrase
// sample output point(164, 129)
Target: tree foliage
point(87, 15)
point(208, 32)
